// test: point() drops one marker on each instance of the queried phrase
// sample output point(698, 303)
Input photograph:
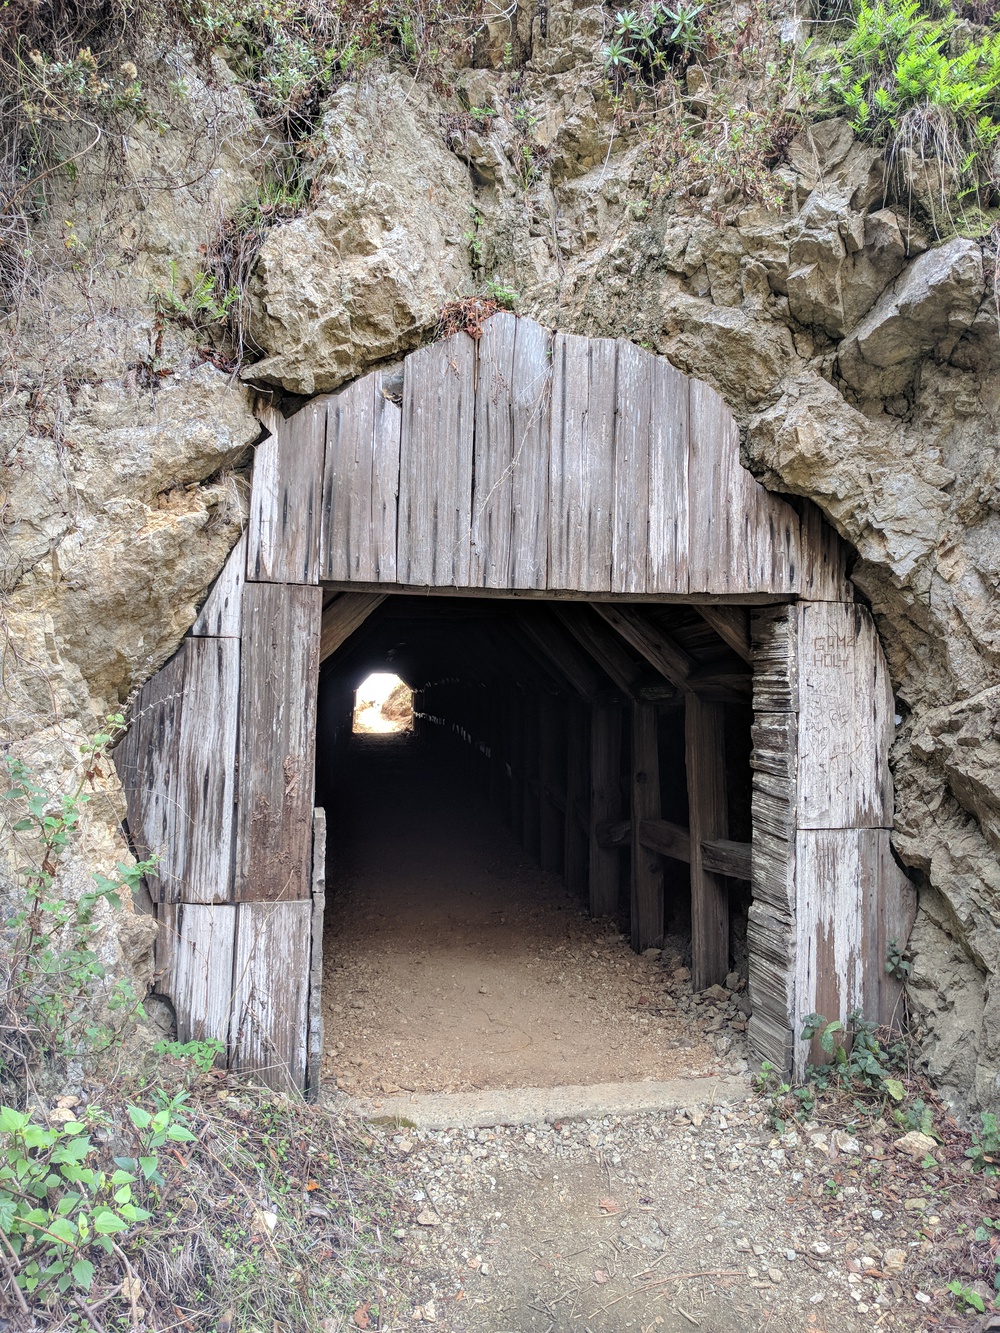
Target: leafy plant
point(505, 297)
point(860, 1058)
point(918, 1116)
point(57, 1209)
point(965, 1297)
point(896, 963)
point(985, 1149)
point(53, 971)
point(195, 303)
point(650, 40)
point(202, 1054)
point(918, 82)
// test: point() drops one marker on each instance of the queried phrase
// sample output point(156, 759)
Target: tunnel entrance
point(477, 934)
point(383, 706)
point(590, 498)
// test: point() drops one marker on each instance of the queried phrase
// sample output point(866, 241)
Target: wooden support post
point(576, 848)
point(494, 740)
point(550, 817)
point(705, 758)
point(605, 803)
point(530, 831)
point(647, 866)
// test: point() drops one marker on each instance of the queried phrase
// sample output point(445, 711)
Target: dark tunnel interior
point(535, 705)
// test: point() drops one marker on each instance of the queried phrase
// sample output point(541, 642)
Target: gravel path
point(674, 1221)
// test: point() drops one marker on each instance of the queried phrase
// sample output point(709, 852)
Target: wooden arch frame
point(534, 465)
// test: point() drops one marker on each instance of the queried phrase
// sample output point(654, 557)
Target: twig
point(689, 1317)
point(22, 1303)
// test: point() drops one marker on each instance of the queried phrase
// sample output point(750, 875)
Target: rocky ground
point(708, 1218)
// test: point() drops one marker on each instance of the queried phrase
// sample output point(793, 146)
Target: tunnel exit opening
point(493, 919)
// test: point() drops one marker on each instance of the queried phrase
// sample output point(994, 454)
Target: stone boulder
point(362, 277)
point(840, 262)
point(926, 310)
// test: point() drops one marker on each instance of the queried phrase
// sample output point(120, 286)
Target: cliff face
point(860, 354)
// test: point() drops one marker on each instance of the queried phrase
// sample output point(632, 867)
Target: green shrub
point(910, 80)
point(647, 42)
point(985, 1149)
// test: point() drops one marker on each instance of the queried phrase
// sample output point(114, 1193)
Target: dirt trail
point(453, 963)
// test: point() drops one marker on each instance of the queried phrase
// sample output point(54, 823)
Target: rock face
point(861, 356)
point(363, 275)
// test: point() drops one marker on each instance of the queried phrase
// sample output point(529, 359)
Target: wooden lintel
point(658, 649)
point(732, 624)
point(342, 617)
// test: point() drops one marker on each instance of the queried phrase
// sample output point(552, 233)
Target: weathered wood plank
point(725, 857)
point(573, 665)
point(705, 759)
point(347, 541)
point(222, 614)
point(270, 1009)
point(659, 650)
point(531, 417)
point(196, 949)
point(581, 470)
point(286, 499)
point(845, 720)
point(774, 632)
point(148, 764)
point(492, 499)
point(435, 482)
point(346, 613)
point(385, 474)
point(665, 837)
point(314, 1053)
point(824, 559)
point(605, 804)
point(206, 790)
point(647, 866)
point(632, 427)
point(280, 664)
point(669, 503)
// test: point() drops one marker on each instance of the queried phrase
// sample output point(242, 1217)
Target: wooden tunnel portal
point(624, 567)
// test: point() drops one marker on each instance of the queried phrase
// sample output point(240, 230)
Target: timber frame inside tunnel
point(595, 484)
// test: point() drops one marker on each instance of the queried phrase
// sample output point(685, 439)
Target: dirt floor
point(452, 963)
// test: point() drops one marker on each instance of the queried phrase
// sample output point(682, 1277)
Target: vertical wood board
point(315, 1034)
point(196, 949)
point(435, 482)
point(281, 635)
point(286, 499)
point(270, 1009)
point(845, 720)
point(669, 501)
point(581, 473)
point(222, 613)
point(634, 380)
point(492, 499)
point(647, 865)
point(531, 418)
point(705, 761)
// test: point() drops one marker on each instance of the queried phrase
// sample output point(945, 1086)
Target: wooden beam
point(347, 612)
point(705, 759)
point(552, 640)
point(602, 645)
point(530, 831)
point(576, 845)
point(719, 855)
point(660, 835)
point(647, 866)
point(605, 804)
point(732, 624)
point(726, 858)
point(658, 649)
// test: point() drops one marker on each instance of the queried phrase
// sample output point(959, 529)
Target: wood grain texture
point(732, 624)
point(196, 954)
point(632, 431)
point(823, 576)
point(268, 1033)
point(492, 500)
point(283, 533)
point(436, 450)
point(531, 418)
point(581, 471)
point(845, 720)
point(572, 663)
point(605, 804)
point(647, 866)
point(222, 613)
point(314, 1054)
point(279, 668)
point(705, 760)
point(658, 649)
point(601, 643)
point(147, 764)
point(669, 501)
